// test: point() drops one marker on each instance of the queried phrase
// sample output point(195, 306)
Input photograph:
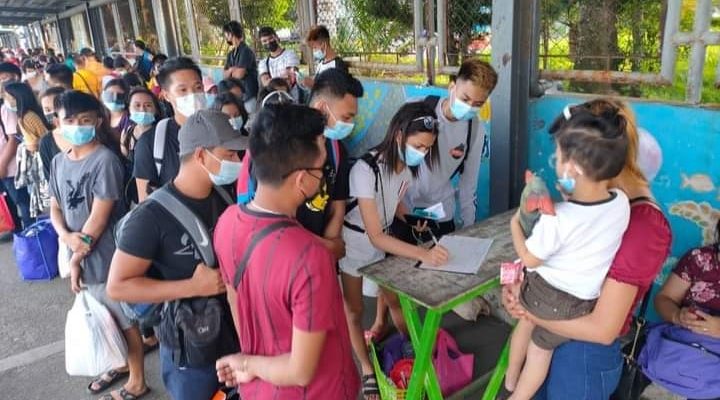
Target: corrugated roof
point(23, 12)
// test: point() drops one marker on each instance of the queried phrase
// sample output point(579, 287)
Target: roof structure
point(23, 12)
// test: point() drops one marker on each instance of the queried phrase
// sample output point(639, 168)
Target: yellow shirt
point(86, 82)
point(32, 128)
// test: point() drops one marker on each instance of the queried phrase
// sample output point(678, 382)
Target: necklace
point(265, 210)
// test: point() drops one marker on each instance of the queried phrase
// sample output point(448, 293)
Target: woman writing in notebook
point(378, 182)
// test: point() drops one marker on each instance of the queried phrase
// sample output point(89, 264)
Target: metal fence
point(630, 47)
point(369, 33)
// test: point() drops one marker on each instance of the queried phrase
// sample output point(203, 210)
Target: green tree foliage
point(372, 26)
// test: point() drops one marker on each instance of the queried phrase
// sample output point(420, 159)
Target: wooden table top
point(433, 289)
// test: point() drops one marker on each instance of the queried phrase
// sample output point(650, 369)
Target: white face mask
point(189, 104)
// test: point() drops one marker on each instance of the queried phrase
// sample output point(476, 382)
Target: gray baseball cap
point(207, 129)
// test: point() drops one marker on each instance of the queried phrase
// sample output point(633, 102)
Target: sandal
point(125, 395)
point(102, 384)
point(370, 386)
point(503, 393)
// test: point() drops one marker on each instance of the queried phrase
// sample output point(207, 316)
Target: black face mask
point(272, 46)
point(229, 42)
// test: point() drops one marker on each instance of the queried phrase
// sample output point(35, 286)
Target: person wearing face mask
point(335, 95)
point(211, 90)
point(54, 142)
point(114, 97)
point(34, 77)
point(18, 199)
point(241, 64)
point(234, 109)
point(86, 203)
point(460, 144)
point(152, 243)
point(156, 159)
point(287, 302)
point(280, 63)
point(144, 111)
point(378, 181)
point(323, 53)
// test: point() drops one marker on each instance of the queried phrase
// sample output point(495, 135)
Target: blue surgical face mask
point(142, 118)
point(229, 171)
point(412, 156)
point(115, 107)
point(50, 117)
point(566, 183)
point(340, 131)
point(318, 54)
point(13, 109)
point(210, 98)
point(462, 111)
point(78, 135)
point(189, 104)
point(237, 122)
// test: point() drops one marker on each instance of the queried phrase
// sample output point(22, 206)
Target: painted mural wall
point(376, 108)
point(688, 183)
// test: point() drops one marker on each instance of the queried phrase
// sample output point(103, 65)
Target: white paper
point(467, 254)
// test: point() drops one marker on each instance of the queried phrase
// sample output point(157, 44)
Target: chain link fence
point(468, 30)
point(377, 32)
point(623, 36)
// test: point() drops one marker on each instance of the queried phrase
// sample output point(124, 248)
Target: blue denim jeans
point(18, 203)
point(582, 371)
point(187, 383)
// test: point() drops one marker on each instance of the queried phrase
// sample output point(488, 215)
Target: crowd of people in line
point(274, 209)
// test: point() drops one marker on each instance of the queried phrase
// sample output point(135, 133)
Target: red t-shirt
point(289, 281)
point(645, 247)
point(701, 269)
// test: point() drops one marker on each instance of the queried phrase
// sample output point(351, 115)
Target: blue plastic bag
point(36, 251)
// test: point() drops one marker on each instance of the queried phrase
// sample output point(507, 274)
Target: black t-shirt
point(144, 161)
point(48, 150)
point(243, 57)
point(152, 233)
point(315, 221)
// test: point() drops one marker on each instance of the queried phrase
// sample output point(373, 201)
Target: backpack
point(247, 183)
point(432, 101)
point(371, 160)
point(149, 313)
point(684, 362)
point(159, 144)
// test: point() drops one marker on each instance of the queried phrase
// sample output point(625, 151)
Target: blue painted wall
point(377, 107)
point(688, 184)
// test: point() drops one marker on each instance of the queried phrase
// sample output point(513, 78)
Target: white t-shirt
point(579, 243)
point(278, 65)
point(391, 189)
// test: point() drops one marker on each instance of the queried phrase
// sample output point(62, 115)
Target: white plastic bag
point(93, 342)
point(64, 255)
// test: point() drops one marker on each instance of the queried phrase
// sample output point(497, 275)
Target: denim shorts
point(187, 383)
point(582, 371)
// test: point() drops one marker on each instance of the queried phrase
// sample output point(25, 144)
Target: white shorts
point(359, 252)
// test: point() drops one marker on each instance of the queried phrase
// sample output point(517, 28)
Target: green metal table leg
point(498, 374)
point(422, 335)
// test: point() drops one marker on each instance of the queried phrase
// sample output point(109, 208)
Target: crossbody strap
point(159, 144)
point(257, 238)
point(193, 225)
point(461, 168)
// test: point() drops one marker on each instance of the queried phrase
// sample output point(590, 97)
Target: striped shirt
point(289, 282)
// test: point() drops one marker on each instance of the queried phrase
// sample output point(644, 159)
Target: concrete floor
point(32, 323)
